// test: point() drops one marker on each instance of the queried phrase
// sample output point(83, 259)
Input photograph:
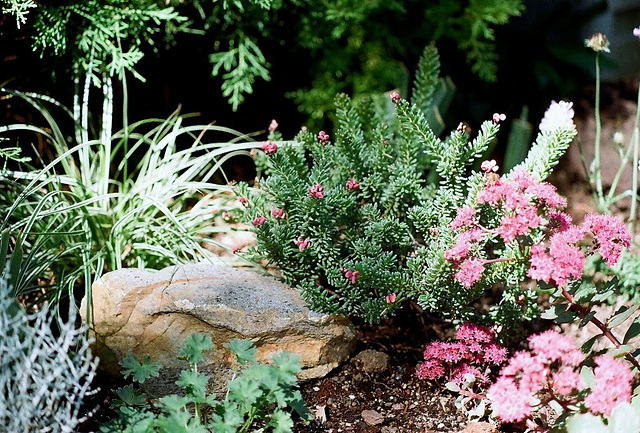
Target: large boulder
point(141, 312)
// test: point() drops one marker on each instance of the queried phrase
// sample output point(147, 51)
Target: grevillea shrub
point(366, 217)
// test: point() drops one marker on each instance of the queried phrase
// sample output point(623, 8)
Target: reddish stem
point(603, 327)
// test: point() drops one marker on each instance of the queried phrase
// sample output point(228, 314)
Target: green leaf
point(633, 331)
point(194, 384)
point(281, 421)
point(194, 346)
point(582, 423)
point(174, 403)
point(624, 418)
point(567, 317)
point(585, 320)
point(588, 345)
point(621, 315)
point(587, 376)
point(554, 311)
point(128, 395)
point(139, 371)
point(244, 350)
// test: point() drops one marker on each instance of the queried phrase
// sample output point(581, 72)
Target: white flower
point(559, 115)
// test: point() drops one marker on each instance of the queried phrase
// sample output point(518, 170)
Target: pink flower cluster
point(522, 201)
point(551, 371)
point(351, 275)
point(474, 353)
point(352, 184)
point(316, 191)
point(278, 213)
point(269, 148)
point(323, 138)
point(302, 243)
point(564, 259)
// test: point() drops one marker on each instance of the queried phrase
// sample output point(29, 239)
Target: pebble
point(372, 417)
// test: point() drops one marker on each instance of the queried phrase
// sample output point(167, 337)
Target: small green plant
point(43, 378)
point(362, 222)
point(259, 394)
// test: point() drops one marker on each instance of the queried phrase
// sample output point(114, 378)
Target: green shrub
point(361, 223)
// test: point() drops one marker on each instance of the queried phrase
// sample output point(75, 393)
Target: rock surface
point(152, 313)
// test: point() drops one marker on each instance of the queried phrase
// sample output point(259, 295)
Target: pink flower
point(489, 166)
point(243, 201)
point(226, 216)
point(613, 385)
point(302, 243)
point(559, 115)
point(391, 299)
point(510, 402)
point(610, 234)
point(269, 147)
point(551, 346)
point(463, 245)
point(273, 125)
point(395, 97)
point(540, 264)
point(352, 184)
point(558, 221)
point(497, 118)
point(278, 213)
point(465, 216)
point(468, 332)
point(470, 272)
point(493, 353)
point(565, 381)
point(259, 221)
point(511, 227)
point(430, 369)
point(323, 138)
point(546, 193)
point(316, 191)
point(351, 275)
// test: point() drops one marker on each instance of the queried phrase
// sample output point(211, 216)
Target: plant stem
point(603, 327)
point(596, 159)
point(634, 167)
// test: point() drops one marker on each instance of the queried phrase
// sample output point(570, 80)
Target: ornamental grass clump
point(361, 219)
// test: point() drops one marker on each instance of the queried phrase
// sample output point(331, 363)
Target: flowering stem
point(596, 158)
point(603, 327)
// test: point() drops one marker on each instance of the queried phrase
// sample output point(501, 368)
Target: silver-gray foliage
point(43, 378)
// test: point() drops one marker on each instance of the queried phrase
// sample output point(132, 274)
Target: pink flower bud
point(243, 201)
point(302, 243)
point(269, 147)
point(352, 184)
point(273, 126)
point(497, 118)
point(395, 97)
point(278, 213)
point(391, 299)
point(323, 138)
point(489, 166)
point(259, 221)
point(226, 216)
point(351, 275)
point(316, 191)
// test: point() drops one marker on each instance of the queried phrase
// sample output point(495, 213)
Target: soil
point(376, 390)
